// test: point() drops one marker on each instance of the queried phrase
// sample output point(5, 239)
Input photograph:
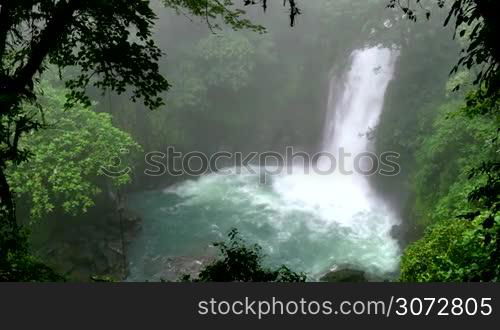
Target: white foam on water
point(339, 218)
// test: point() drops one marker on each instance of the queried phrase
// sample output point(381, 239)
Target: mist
point(349, 76)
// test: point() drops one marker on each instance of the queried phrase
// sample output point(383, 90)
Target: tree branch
point(50, 37)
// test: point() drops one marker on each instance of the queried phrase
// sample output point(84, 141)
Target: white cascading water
point(354, 107)
point(309, 221)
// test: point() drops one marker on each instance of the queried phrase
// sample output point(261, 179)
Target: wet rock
point(172, 268)
point(406, 232)
point(344, 275)
point(87, 249)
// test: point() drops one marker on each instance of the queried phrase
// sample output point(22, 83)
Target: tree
point(480, 18)
point(213, 9)
point(454, 251)
point(67, 156)
point(467, 205)
point(89, 34)
point(239, 262)
point(110, 45)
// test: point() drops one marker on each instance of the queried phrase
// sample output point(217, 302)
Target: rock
point(130, 220)
point(406, 232)
point(92, 248)
point(344, 275)
point(172, 268)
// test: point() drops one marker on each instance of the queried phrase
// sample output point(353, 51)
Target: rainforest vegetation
point(89, 86)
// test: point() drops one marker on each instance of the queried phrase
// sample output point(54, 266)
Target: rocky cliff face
point(93, 248)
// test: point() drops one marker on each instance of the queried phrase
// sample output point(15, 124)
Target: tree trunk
point(9, 230)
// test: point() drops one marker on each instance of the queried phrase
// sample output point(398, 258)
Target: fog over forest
point(327, 140)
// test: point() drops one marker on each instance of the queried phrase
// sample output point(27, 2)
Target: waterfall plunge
point(310, 222)
point(355, 103)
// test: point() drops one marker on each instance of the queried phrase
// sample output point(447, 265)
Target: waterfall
point(354, 110)
point(354, 107)
point(306, 220)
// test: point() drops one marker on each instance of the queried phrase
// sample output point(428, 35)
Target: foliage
point(91, 35)
point(224, 60)
point(477, 18)
point(232, 58)
point(214, 11)
point(458, 183)
point(454, 251)
point(211, 74)
point(445, 158)
point(453, 155)
point(67, 155)
point(239, 262)
point(110, 46)
point(457, 196)
point(18, 265)
point(217, 75)
point(426, 54)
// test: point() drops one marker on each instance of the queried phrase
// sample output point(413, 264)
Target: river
point(311, 222)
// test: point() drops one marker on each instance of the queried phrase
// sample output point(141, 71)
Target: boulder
point(344, 275)
point(172, 268)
